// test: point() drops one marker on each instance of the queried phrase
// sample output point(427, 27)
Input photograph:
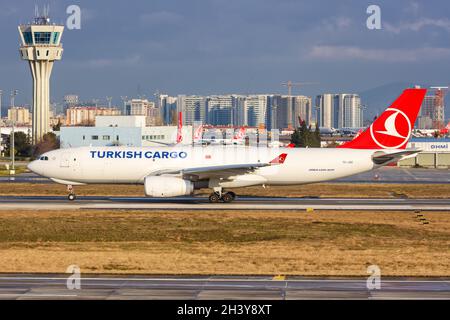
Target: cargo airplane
point(179, 170)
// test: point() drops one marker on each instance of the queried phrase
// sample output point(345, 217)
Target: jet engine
point(166, 187)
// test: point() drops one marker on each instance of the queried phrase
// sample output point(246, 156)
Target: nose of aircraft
point(32, 166)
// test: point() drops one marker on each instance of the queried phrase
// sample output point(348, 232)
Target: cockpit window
point(45, 158)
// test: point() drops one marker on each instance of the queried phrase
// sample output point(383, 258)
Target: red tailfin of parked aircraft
point(180, 126)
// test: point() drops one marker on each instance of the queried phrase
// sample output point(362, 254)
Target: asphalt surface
point(382, 175)
point(32, 286)
point(201, 203)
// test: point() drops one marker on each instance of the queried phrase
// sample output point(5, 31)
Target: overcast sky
point(233, 46)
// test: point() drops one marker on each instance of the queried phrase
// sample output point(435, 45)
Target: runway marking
point(225, 280)
point(409, 174)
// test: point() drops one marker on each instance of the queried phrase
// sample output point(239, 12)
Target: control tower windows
point(28, 37)
point(42, 37)
point(55, 37)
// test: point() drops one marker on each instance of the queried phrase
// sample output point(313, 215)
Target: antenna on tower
point(46, 12)
point(36, 11)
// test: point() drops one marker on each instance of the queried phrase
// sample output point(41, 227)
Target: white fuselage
point(130, 165)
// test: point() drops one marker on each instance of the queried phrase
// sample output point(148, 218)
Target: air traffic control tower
point(41, 46)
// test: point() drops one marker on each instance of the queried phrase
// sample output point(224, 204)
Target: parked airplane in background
point(237, 139)
point(179, 170)
point(445, 131)
point(328, 131)
point(351, 132)
point(432, 132)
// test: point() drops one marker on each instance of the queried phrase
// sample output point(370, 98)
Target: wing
point(221, 171)
point(382, 158)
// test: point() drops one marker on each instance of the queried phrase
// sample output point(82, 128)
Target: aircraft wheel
point(233, 195)
point(227, 197)
point(71, 196)
point(214, 197)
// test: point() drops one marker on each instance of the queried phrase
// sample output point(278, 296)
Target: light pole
point(109, 100)
point(124, 100)
point(12, 147)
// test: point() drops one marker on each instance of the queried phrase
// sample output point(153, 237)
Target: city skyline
point(249, 48)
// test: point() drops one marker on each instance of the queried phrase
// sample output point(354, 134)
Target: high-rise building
point(279, 112)
point(273, 103)
point(168, 107)
point(351, 112)
point(85, 116)
point(424, 122)
point(70, 100)
point(153, 116)
point(19, 115)
point(144, 107)
point(256, 106)
point(220, 110)
point(240, 115)
point(193, 109)
point(433, 107)
point(325, 112)
point(138, 107)
point(301, 108)
point(41, 46)
point(339, 111)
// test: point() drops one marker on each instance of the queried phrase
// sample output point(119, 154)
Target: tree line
point(24, 148)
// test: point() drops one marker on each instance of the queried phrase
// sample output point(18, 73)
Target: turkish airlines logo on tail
point(392, 130)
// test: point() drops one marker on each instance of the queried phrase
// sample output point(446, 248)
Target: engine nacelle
point(165, 187)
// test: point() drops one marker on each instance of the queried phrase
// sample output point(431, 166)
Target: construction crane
point(289, 84)
point(439, 104)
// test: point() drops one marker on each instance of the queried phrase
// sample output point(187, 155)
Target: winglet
point(280, 159)
point(290, 145)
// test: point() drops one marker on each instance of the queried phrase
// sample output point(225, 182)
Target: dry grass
point(373, 190)
point(225, 242)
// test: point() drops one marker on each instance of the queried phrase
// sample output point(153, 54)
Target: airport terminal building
point(435, 153)
point(122, 131)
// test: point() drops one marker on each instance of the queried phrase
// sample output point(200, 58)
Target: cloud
point(333, 53)
point(334, 24)
point(418, 25)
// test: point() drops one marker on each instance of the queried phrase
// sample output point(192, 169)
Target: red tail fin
point(392, 129)
point(279, 160)
point(240, 134)
point(198, 133)
point(180, 127)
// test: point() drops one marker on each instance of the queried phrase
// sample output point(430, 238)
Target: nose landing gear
point(71, 195)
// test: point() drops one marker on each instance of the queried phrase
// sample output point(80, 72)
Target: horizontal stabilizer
point(383, 158)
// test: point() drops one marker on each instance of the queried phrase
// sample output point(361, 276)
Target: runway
point(381, 175)
point(32, 286)
point(201, 203)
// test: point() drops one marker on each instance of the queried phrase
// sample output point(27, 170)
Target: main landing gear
point(71, 195)
point(219, 196)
